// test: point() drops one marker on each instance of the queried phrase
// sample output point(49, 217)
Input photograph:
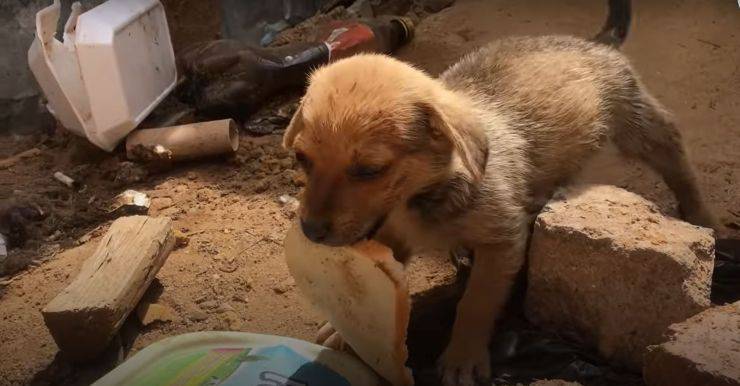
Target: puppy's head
point(370, 133)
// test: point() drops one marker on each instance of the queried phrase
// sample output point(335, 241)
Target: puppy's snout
point(316, 229)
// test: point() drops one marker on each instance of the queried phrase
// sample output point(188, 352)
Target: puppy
point(466, 160)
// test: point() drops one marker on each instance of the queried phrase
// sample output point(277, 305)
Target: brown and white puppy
point(467, 159)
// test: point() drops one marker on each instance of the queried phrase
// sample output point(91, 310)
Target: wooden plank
point(87, 314)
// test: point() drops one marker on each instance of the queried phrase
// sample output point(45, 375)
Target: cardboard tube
point(183, 142)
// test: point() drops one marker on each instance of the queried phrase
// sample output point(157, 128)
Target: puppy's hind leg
point(644, 130)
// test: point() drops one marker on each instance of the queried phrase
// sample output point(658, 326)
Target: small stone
point(54, 236)
point(181, 239)
point(239, 298)
point(290, 205)
point(284, 286)
point(233, 321)
point(130, 173)
point(192, 176)
point(286, 199)
point(228, 267)
point(198, 316)
point(208, 305)
point(224, 307)
point(261, 186)
point(299, 179)
point(149, 313)
point(131, 202)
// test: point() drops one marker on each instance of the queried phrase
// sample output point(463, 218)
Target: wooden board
point(87, 314)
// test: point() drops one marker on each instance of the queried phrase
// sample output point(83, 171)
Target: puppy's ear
point(468, 140)
point(295, 126)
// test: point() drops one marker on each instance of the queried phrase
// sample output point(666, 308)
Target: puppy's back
point(556, 92)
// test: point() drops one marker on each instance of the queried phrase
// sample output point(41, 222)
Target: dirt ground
point(231, 275)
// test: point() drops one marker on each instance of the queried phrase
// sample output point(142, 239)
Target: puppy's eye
point(303, 161)
point(366, 172)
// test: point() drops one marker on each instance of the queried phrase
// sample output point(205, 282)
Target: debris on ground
point(181, 239)
point(224, 78)
point(184, 142)
point(198, 315)
point(127, 173)
point(701, 351)
point(130, 202)
point(605, 264)
point(149, 313)
point(274, 117)
point(87, 314)
point(67, 180)
point(289, 204)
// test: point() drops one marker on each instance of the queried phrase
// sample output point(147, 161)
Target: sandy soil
point(231, 275)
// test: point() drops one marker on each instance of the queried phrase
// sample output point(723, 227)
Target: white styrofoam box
point(55, 67)
point(127, 63)
point(116, 64)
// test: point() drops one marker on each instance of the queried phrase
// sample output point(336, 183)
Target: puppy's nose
point(316, 230)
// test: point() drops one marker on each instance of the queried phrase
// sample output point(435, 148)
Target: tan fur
point(473, 155)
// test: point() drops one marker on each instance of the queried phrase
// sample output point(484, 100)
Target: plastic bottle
point(225, 78)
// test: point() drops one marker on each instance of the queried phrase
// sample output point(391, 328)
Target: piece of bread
point(362, 292)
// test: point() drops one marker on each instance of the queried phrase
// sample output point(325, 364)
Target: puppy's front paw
point(463, 365)
point(329, 337)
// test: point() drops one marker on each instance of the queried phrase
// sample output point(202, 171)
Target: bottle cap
point(408, 27)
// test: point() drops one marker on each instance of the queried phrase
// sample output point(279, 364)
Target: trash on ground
point(131, 202)
point(321, 272)
point(185, 142)
point(240, 358)
point(86, 315)
point(67, 180)
point(226, 77)
point(93, 84)
point(273, 117)
point(290, 205)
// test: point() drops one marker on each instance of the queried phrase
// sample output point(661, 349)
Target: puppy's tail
point(617, 24)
